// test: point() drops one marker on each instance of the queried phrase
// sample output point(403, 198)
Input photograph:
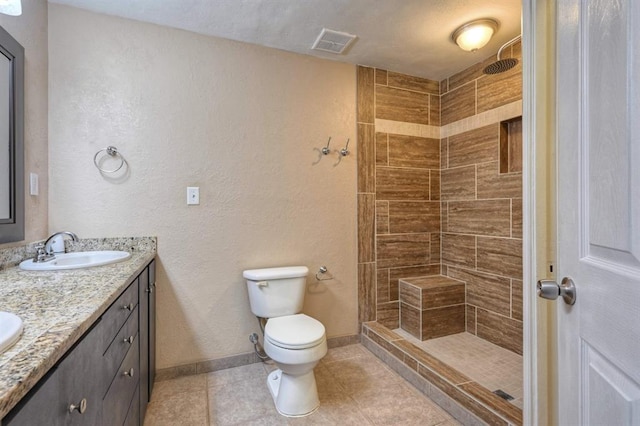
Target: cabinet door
point(70, 395)
point(144, 293)
point(152, 325)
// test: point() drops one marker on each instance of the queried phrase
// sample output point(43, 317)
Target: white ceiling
point(408, 36)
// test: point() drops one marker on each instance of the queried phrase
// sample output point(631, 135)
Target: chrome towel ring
point(112, 151)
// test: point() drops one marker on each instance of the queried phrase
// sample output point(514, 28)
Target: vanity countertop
point(57, 308)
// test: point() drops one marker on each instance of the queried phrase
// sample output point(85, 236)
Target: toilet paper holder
point(322, 271)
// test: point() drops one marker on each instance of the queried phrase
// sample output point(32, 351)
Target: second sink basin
point(10, 330)
point(76, 260)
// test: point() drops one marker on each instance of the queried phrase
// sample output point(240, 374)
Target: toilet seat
point(294, 331)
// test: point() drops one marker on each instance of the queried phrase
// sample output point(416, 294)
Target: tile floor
point(355, 388)
point(490, 365)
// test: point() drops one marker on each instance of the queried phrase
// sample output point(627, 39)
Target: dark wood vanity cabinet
point(107, 377)
point(147, 315)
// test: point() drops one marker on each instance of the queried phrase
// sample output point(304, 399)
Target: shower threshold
point(453, 377)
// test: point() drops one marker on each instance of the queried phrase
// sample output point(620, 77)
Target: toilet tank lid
point(276, 273)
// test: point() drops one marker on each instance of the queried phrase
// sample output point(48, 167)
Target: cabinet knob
point(81, 407)
point(129, 373)
point(128, 307)
point(128, 339)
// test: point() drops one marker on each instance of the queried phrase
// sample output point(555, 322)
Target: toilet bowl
point(294, 341)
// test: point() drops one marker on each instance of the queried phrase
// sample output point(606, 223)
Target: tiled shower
point(440, 209)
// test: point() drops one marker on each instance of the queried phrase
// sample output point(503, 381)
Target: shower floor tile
point(490, 365)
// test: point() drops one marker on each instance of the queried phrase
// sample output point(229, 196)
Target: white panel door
point(598, 104)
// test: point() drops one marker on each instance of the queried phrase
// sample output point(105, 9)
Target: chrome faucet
point(45, 251)
point(48, 249)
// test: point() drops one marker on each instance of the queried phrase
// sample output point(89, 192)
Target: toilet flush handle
point(262, 283)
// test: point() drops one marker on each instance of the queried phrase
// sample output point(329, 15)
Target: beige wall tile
point(414, 216)
point(492, 184)
point(435, 110)
point(382, 285)
point(458, 183)
point(382, 149)
point(402, 105)
point(409, 82)
point(502, 331)
point(410, 320)
point(402, 250)
point(485, 291)
point(366, 292)
point(501, 256)
point(516, 299)
point(402, 184)
point(413, 271)
point(382, 217)
point(499, 89)
point(434, 248)
point(444, 86)
point(459, 250)
point(440, 322)
point(516, 218)
point(365, 95)
point(366, 158)
point(482, 217)
point(434, 187)
point(458, 104)
point(389, 314)
point(444, 153)
point(411, 151)
point(475, 146)
point(470, 74)
point(410, 294)
point(381, 77)
point(366, 228)
point(471, 319)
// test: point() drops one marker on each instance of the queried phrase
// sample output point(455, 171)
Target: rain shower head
point(502, 65)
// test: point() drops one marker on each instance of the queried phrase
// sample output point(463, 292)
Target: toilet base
point(294, 396)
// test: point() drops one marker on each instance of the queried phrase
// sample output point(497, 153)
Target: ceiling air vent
point(333, 41)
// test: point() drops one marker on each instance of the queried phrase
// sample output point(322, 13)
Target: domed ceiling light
point(11, 7)
point(475, 34)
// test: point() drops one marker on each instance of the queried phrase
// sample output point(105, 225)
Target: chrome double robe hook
point(345, 151)
point(326, 150)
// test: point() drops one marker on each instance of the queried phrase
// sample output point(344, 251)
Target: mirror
point(11, 139)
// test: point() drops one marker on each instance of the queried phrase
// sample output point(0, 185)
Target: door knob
point(549, 289)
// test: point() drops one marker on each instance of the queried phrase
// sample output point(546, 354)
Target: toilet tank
point(275, 292)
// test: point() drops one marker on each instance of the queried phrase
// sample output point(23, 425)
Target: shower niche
point(511, 145)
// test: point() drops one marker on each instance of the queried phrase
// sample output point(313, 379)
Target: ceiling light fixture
point(11, 7)
point(475, 34)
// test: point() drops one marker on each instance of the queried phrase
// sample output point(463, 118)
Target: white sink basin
point(10, 330)
point(76, 260)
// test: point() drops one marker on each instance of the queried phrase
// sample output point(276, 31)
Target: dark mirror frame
point(12, 229)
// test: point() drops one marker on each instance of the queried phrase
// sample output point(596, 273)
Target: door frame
point(538, 204)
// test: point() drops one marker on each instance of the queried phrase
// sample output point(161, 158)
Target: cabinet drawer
point(117, 314)
point(133, 416)
point(116, 403)
point(127, 338)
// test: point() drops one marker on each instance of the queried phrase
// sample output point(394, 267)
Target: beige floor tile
point(178, 409)
point(355, 388)
point(236, 374)
point(165, 388)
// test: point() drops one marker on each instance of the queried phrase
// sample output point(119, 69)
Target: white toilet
point(294, 341)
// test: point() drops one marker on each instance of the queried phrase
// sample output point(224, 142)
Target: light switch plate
point(33, 184)
point(193, 195)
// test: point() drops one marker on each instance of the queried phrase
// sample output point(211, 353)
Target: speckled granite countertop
point(58, 307)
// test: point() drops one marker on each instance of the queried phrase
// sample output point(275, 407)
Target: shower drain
point(502, 394)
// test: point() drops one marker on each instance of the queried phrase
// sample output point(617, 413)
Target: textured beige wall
point(241, 122)
point(30, 29)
